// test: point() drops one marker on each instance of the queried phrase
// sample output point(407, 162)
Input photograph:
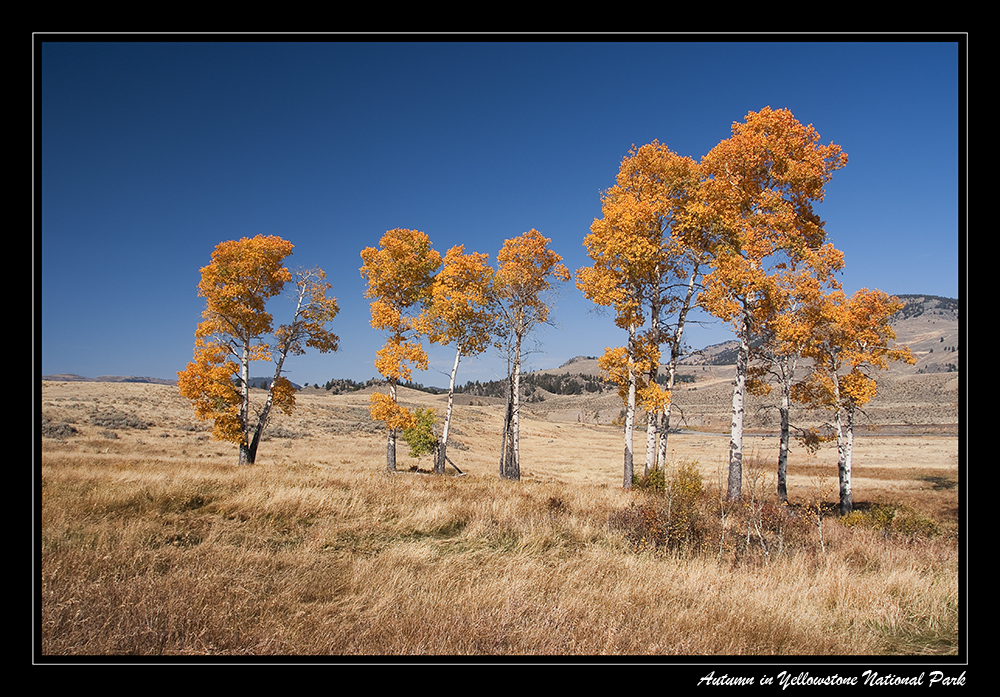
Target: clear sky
point(151, 153)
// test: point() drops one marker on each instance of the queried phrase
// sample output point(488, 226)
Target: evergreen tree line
point(345, 385)
point(562, 384)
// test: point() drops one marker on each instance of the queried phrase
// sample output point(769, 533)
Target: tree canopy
point(399, 273)
point(237, 330)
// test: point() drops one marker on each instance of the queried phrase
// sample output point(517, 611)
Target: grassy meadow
point(153, 542)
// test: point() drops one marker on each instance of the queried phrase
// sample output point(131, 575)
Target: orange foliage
point(762, 183)
point(395, 358)
point(647, 239)
point(384, 408)
point(399, 273)
point(526, 269)
point(614, 364)
point(646, 233)
point(850, 337)
point(208, 383)
point(461, 308)
point(242, 276)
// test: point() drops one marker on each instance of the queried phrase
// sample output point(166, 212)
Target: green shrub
point(656, 480)
point(892, 520)
point(421, 437)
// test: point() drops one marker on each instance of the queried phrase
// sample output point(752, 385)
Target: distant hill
point(927, 324)
point(917, 305)
point(72, 377)
point(262, 383)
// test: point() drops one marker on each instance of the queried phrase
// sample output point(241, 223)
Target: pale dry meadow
point(153, 541)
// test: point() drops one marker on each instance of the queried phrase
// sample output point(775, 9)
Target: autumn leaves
point(458, 300)
point(741, 226)
point(237, 330)
point(734, 234)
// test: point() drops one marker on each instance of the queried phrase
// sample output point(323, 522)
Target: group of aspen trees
point(734, 234)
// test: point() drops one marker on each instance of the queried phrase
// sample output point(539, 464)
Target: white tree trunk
point(515, 432)
point(735, 484)
point(845, 450)
point(675, 356)
point(653, 417)
point(245, 456)
point(783, 450)
point(629, 415)
point(788, 364)
point(652, 439)
point(661, 455)
point(510, 462)
point(442, 452)
point(390, 446)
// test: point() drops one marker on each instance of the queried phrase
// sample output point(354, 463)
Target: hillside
point(72, 377)
point(919, 398)
point(906, 403)
point(927, 324)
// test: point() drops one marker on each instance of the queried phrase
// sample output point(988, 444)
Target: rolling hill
point(921, 397)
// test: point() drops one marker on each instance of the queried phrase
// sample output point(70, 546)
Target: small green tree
point(421, 436)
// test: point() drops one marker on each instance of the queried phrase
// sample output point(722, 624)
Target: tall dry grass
point(178, 555)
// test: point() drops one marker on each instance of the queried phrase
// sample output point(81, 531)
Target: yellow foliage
point(242, 276)
point(236, 285)
point(208, 383)
point(759, 193)
point(849, 336)
point(644, 234)
point(400, 274)
point(615, 364)
point(648, 237)
point(526, 269)
point(395, 358)
point(399, 271)
point(462, 304)
point(653, 397)
point(283, 394)
point(384, 408)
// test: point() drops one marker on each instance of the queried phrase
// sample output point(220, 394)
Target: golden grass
point(161, 545)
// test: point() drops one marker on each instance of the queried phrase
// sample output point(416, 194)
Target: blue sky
point(151, 153)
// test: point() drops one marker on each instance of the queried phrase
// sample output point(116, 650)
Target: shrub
point(112, 419)
point(671, 519)
point(420, 437)
point(53, 429)
point(892, 519)
point(281, 432)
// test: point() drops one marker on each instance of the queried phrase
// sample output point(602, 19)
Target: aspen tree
point(760, 189)
point(526, 270)
point(647, 251)
point(461, 312)
point(786, 327)
point(237, 330)
point(850, 339)
point(399, 274)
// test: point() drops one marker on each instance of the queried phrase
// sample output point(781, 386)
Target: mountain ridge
point(927, 324)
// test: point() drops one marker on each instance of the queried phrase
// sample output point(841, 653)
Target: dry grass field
point(154, 542)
